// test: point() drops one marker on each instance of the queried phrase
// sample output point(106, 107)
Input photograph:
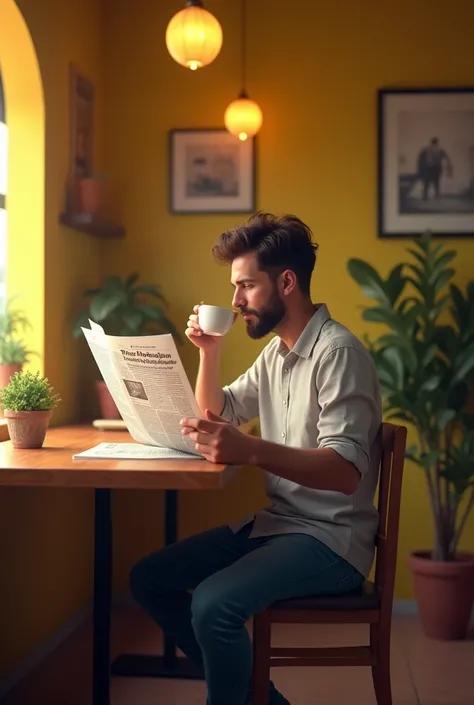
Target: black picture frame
point(211, 172)
point(423, 185)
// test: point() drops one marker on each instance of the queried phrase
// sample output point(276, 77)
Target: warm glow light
point(194, 36)
point(3, 158)
point(3, 259)
point(243, 118)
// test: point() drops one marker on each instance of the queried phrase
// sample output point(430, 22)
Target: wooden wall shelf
point(97, 228)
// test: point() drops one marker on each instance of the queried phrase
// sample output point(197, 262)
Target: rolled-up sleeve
point(241, 397)
point(350, 406)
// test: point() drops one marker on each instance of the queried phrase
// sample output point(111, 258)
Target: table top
point(53, 465)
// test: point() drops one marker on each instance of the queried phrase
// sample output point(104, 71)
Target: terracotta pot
point(7, 371)
point(108, 407)
point(91, 192)
point(27, 429)
point(445, 594)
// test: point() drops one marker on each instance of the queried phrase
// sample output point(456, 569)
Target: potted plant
point(13, 350)
point(28, 400)
point(425, 362)
point(91, 193)
point(124, 307)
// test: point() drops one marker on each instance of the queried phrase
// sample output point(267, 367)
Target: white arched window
point(3, 197)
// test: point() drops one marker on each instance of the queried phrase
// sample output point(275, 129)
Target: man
point(316, 392)
point(431, 160)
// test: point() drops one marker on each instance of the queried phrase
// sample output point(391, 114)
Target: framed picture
point(211, 171)
point(426, 162)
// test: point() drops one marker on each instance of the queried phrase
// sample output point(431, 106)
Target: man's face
point(256, 296)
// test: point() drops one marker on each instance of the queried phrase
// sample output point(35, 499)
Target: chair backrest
point(393, 445)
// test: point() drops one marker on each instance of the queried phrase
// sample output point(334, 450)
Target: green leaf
point(463, 365)
point(103, 305)
point(458, 397)
point(394, 358)
point(131, 279)
point(377, 315)
point(413, 454)
point(113, 285)
point(369, 280)
point(150, 290)
point(438, 308)
point(133, 321)
point(442, 261)
point(152, 313)
point(429, 459)
point(420, 256)
point(444, 417)
point(395, 283)
point(460, 311)
point(429, 355)
point(428, 385)
point(81, 322)
point(441, 279)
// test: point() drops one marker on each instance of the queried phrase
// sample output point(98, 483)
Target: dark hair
point(280, 242)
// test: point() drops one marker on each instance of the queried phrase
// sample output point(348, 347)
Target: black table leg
point(168, 665)
point(102, 597)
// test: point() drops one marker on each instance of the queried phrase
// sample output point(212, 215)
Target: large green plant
point(124, 307)
point(425, 362)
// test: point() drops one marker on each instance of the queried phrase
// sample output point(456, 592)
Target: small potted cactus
point(28, 401)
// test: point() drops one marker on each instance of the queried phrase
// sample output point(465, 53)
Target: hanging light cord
point(244, 77)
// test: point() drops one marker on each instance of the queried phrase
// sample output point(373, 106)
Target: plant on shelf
point(124, 307)
point(28, 400)
point(13, 350)
point(91, 193)
point(425, 362)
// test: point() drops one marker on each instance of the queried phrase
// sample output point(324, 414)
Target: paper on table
point(148, 383)
point(133, 451)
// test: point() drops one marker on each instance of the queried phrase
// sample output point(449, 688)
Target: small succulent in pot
point(28, 402)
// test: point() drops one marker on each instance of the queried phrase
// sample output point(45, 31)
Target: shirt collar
point(307, 340)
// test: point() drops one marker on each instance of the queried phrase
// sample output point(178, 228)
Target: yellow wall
point(45, 535)
point(315, 76)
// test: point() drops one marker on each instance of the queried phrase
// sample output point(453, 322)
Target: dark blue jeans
point(232, 577)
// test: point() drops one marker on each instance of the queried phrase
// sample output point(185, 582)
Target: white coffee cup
point(215, 320)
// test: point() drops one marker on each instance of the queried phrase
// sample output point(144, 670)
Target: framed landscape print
point(426, 162)
point(211, 171)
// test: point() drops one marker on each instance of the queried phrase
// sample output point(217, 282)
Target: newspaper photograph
point(149, 385)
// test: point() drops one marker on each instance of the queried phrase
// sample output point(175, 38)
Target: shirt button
point(286, 370)
point(284, 402)
point(283, 435)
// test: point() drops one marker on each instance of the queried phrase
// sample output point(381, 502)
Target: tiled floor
point(423, 672)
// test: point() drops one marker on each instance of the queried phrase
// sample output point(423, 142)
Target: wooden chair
point(371, 604)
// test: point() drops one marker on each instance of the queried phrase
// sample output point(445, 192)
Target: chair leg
point(380, 645)
point(261, 659)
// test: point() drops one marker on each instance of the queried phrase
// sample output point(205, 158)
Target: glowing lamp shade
point(194, 36)
point(243, 118)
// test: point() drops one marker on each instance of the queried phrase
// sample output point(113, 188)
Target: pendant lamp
point(243, 117)
point(194, 36)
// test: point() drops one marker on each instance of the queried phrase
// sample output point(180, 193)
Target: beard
point(267, 317)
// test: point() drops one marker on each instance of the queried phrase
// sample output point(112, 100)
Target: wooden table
point(53, 466)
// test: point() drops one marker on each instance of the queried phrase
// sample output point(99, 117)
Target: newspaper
point(133, 451)
point(149, 385)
